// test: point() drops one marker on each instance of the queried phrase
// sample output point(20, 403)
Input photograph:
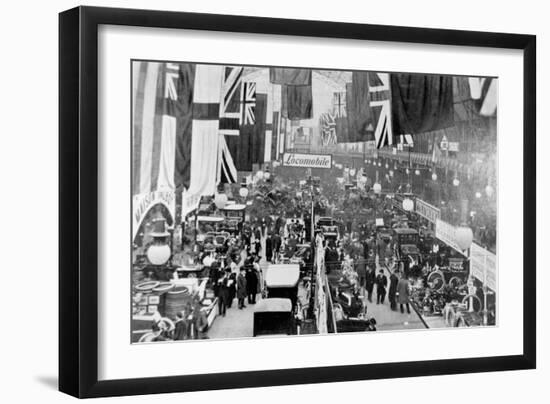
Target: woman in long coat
point(403, 291)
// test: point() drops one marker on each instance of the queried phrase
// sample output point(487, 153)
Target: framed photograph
point(252, 202)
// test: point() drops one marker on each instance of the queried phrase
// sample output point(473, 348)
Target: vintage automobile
point(205, 225)
point(276, 313)
point(303, 257)
point(274, 316)
point(281, 280)
point(326, 221)
point(405, 243)
point(383, 233)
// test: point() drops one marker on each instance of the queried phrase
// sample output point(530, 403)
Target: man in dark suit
point(241, 288)
point(381, 283)
point(361, 269)
point(180, 331)
point(394, 279)
point(251, 284)
point(369, 282)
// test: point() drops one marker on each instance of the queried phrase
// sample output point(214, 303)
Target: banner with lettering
point(483, 265)
point(427, 211)
point(142, 203)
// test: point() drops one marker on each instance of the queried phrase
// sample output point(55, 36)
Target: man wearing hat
point(241, 287)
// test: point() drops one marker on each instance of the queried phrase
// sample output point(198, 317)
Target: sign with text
point(483, 265)
point(142, 203)
point(307, 160)
point(427, 211)
point(447, 233)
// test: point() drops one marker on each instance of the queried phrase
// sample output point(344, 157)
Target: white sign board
point(453, 146)
point(427, 211)
point(447, 233)
point(483, 265)
point(307, 160)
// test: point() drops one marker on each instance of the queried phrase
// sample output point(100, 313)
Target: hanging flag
point(360, 126)
point(268, 137)
point(260, 125)
point(184, 121)
point(248, 148)
point(327, 126)
point(276, 124)
point(227, 172)
point(248, 96)
point(380, 104)
point(297, 102)
point(421, 103)
point(232, 101)
point(339, 102)
point(205, 135)
point(485, 91)
point(436, 152)
point(406, 140)
point(154, 126)
point(289, 76)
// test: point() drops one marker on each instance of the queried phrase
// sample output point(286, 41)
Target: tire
point(455, 282)
point(437, 279)
point(476, 299)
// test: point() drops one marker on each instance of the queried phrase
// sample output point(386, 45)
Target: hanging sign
point(447, 233)
point(307, 160)
point(142, 203)
point(427, 211)
point(483, 265)
point(444, 145)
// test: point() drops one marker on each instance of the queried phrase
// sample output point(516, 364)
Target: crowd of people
point(279, 223)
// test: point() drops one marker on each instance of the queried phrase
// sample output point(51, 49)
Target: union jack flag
point(340, 105)
point(327, 125)
point(380, 102)
point(248, 103)
point(237, 101)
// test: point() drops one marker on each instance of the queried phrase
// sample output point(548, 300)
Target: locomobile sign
point(307, 160)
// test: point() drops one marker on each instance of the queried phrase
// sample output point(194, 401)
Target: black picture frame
point(78, 196)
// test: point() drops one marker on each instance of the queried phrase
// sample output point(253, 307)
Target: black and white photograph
point(280, 201)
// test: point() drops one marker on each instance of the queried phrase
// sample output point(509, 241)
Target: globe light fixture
point(220, 200)
point(377, 188)
point(478, 194)
point(379, 164)
point(434, 176)
point(456, 182)
point(243, 192)
point(407, 171)
point(159, 252)
point(387, 166)
point(408, 205)
point(464, 237)
point(417, 172)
